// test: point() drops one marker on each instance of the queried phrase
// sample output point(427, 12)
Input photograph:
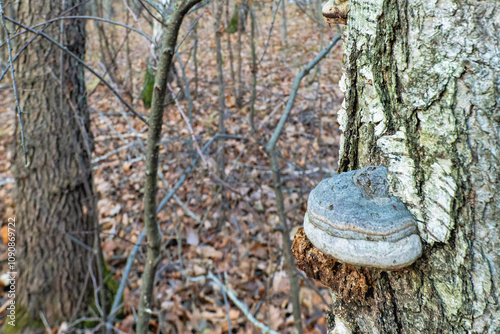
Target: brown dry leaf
point(127, 324)
point(280, 282)
point(307, 299)
point(210, 252)
point(126, 166)
point(233, 315)
point(275, 317)
point(153, 325)
point(5, 234)
point(109, 246)
point(260, 250)
point(213, 316)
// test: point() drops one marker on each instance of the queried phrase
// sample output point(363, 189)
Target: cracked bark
point(421, 98)
point(55, 202)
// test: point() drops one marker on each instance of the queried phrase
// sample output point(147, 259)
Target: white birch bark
point(422, 97)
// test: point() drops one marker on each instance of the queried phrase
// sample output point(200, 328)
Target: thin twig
point(188, 123)
point(125, 273)
point(276, 108)
point(152, 15)
point(271, 150)
point(14, 84)
point(17, 55)
point(293, 93)
point(189, 30)
point(240, 305)
point(97, 19)
point(270, 30)
point(187, 210)
point(47, 37)
point(7, 181)
point(254, 67)
point(224, 294)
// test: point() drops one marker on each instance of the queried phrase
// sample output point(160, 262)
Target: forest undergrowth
point(230, 228)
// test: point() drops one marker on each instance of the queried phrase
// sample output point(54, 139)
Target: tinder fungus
point(352, 217)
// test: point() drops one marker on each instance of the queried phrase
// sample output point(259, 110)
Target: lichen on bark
point(421, 86)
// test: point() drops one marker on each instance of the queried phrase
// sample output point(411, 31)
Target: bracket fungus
point(352, 217)
point(336, 11)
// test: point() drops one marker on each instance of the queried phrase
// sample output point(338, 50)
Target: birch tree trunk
point(422, 98)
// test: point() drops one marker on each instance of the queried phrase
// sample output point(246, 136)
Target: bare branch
point(153, 254)
point(152, 15)
point(240, 305)
point(14, 84)
point(270, 30)
point(62, 47)
point(188, 123)
point(97, 19)
point(157, 7)
point(190, 29)
point(125, 273)
point(293, 93)
point(270, 148)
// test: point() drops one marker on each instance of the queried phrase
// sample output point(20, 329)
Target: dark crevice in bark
point(460, 203)
point(447, 269)
point(384, 67)
point(55, 206)
point(384, 301)
point(395, 306)
point(412, 125)
point(350, 159)
point(403, 34)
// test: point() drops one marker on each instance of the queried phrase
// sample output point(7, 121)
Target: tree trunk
point(421, 87)
point(55, 203)
point(173, 23)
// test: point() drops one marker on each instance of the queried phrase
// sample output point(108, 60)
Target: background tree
point(56, 207)
point(421, 97)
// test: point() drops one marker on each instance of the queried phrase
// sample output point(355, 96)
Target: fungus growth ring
point(352, 217)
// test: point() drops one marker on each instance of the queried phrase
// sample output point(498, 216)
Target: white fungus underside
point(377, 254)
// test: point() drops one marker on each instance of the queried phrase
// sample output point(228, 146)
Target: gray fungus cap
point(352, 217)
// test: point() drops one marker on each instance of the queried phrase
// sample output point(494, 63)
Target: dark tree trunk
point(55, 203)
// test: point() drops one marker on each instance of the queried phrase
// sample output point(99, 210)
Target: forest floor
point(231, 231)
